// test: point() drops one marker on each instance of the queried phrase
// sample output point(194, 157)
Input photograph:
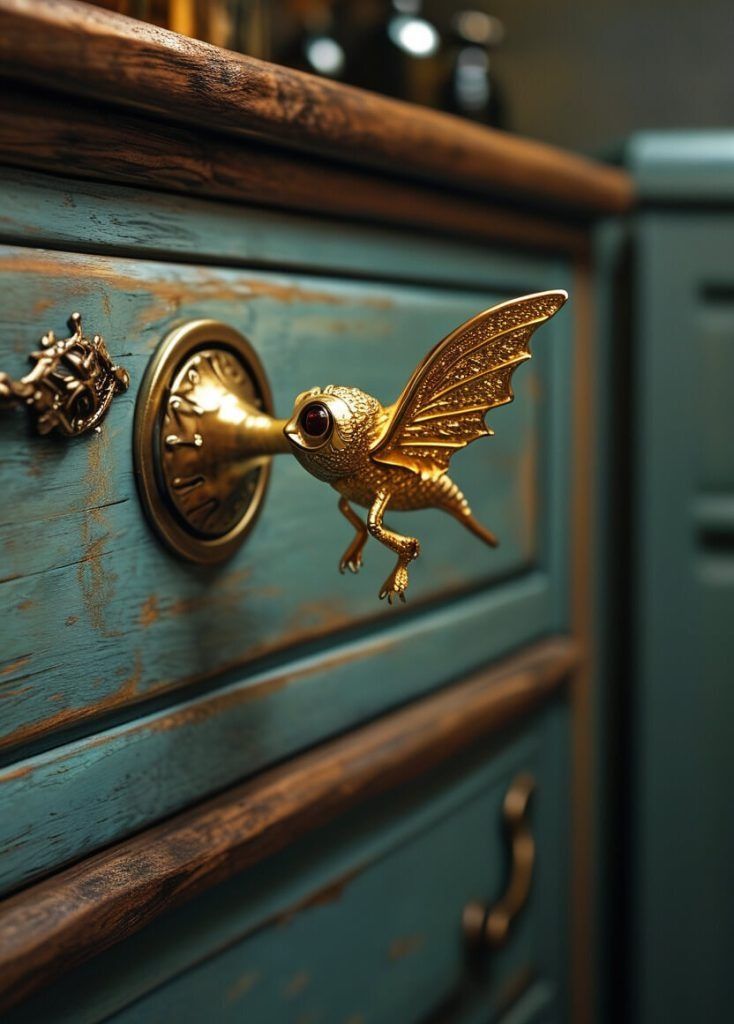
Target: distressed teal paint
point(97, 615)
point(85, 577)
point(107, 785)
point(90, 597)
point(39, 210)
point(400, 870)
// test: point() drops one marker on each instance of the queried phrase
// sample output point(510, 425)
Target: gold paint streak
point(41, 306)
point(88, 271)
point(241, 987)
point(196, 713)
point(16, 773)
point(183, 717)
point(406, 946)
point(324, 615)
point(124, 694)
point(330, 893)
point(297, 984)
point(130, 684)
point(4, 694)
point(13, 665)
point(149, 613)
point(25, 606)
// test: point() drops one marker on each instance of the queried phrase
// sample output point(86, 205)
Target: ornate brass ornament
point(204, 434)
point(490, 926)
point(71, 385)
point(203, 431)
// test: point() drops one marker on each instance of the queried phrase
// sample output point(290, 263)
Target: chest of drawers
point(192, 755)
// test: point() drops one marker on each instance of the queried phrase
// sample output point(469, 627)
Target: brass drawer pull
point(490, 926)
point(205, 433)
point(71, 385)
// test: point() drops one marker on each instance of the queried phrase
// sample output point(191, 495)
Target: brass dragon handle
point(205, 432)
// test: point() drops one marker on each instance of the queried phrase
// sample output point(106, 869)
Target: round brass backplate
point(200, 489)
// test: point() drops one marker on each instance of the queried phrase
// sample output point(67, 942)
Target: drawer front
point(273, 650)
point(363, 921)
point(83, 573)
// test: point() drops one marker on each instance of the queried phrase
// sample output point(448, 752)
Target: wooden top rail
point(72, 47)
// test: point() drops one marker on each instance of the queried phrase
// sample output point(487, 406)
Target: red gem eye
point(315, 420)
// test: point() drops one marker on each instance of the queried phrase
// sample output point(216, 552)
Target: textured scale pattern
point(444, 404)
point(398, 456)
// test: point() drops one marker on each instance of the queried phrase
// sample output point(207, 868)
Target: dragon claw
point(395, 585)
point(351, 559)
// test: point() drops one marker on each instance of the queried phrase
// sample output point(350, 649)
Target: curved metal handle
point(205, 432)
point(490, 926)
point(71, 385)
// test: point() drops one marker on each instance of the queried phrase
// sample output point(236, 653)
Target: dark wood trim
point(583, 924)
point(84, 50)
point(66, 919)
point(46, 132)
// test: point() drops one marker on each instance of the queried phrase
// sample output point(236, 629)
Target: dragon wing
point(443, 405)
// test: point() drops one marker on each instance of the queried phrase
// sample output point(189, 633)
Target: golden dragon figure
point(397, 457)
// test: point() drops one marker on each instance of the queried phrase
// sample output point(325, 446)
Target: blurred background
point(606, 68)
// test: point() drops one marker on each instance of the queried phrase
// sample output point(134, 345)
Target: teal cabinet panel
point(113, 618)
point(678, 166)
point(73, 215)
point(682, 927)
point(363, 920)
point(99, 619)
point(60, 804)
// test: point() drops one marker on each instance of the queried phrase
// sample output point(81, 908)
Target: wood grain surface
point(42, 130)
point(47, 929)
point(59, 212)
point(80, 49)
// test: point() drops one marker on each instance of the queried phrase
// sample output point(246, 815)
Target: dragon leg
point(406, 548)
point(352, 557)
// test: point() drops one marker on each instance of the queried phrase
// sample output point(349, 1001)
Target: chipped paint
point(198, 712)
point(330, 893)
point(407, 945)
point(13, 666)
point(124, 694)
point(244, 984)
point(149, 612)
point(297, 984)
point(95, 583)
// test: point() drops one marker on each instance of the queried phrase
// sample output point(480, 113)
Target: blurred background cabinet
point(670, 536)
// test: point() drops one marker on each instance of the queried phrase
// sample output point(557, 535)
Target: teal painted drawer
point(363, 921)
point(133, 683)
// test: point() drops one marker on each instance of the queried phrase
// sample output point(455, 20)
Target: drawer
point(122, 664)
point(363, 921)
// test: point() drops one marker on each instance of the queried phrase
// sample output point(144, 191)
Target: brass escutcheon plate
point(200, 489)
